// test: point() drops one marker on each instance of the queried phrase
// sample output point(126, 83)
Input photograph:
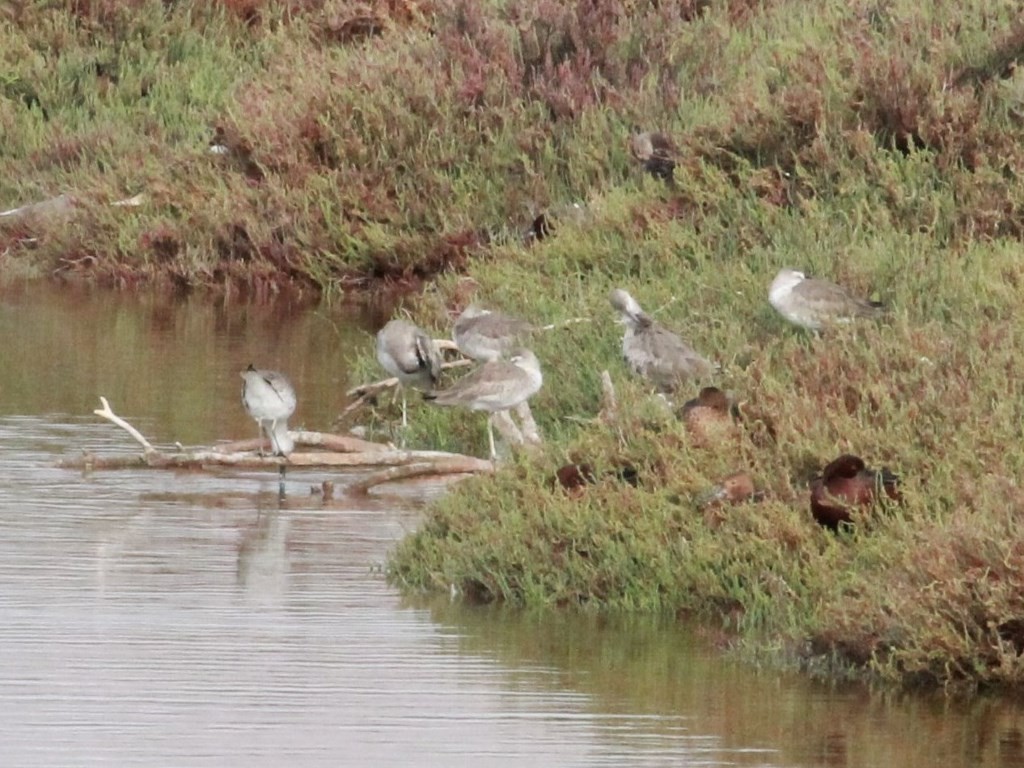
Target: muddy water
point(195, 619)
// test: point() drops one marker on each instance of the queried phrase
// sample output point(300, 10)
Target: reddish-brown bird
point(846, 483)
point(734, 489)
point(710, 417)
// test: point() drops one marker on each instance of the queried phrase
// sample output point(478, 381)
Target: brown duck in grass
point(576, 476)
point(710, 417)
point(846, 483)
point(737, 488)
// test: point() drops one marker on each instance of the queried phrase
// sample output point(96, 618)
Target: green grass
point(876, 144)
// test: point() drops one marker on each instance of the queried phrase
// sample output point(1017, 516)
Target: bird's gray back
point(490, 335)
point(661, 356)
point(267, 394)
point(494, 386)
point(825, 301)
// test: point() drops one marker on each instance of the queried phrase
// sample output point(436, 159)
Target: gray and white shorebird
point(816, 304)
point(405, 351)
point(484, 335)
point(270, 399)
point(655, 352)
point(495, 386)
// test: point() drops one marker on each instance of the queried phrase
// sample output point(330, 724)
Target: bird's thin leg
point(275, 448)
point(490, 438)
point(405, 419)
point(259, 438)
point(530, 431)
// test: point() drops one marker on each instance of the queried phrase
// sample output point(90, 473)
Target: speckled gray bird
point(653, 351)
point(485, 335)
point(495, 386)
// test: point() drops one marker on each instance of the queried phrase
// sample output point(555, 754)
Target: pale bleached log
point(566, 323)
point(61, 204)
point(325, 440)
point(206, 457)
point(342, 451)
point(461, 465)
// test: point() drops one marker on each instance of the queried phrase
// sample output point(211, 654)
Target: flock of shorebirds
point(509, 374)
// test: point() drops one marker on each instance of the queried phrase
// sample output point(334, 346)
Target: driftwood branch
point(331, 451)
point(456, 466)
point(365, 392)
point(371, 389)
point(566, 323)
point(107, 413)
point(63, 204)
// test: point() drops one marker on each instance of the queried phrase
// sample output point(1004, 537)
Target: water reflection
point(169, 363)
point(197, 619)
point(629, 666)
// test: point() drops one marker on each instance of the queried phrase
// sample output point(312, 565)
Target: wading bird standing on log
point(270, 399)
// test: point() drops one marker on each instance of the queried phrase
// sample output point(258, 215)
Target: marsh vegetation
point(414, 145)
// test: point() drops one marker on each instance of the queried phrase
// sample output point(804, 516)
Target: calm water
point(193, 619)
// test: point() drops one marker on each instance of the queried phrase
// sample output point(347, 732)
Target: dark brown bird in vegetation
point(656, 152)
point(574, 477)
point(846, 483)
point(540, 228)
point(710, 417)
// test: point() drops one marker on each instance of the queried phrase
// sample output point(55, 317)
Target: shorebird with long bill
point(485, 335)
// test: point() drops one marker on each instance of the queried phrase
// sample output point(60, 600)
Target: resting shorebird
point(405, 351)
point(656, 151)
point(270, 399)
point(484, 335)
point(495, 386)
point(653, 351)
point(815, 304)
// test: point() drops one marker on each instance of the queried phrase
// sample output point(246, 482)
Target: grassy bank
point(876, 144)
